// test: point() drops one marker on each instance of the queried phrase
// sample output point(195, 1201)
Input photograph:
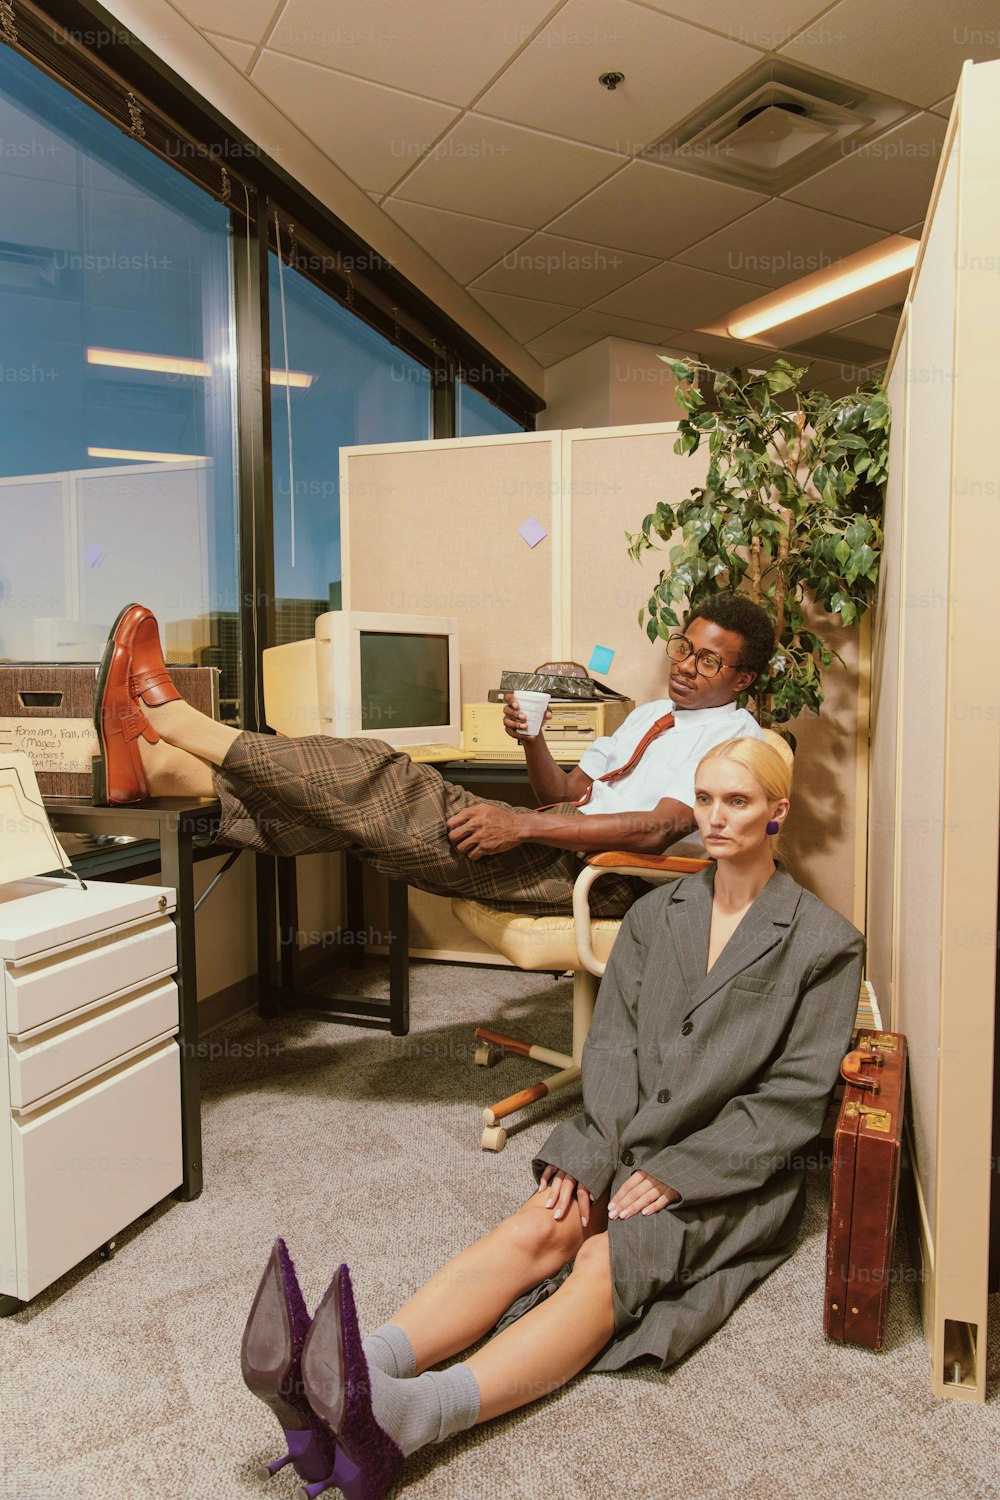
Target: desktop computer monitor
point(387, 676)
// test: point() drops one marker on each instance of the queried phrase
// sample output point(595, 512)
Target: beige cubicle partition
point(935, 758)
point(434, 526)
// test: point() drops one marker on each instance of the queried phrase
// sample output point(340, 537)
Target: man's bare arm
point(483, 830)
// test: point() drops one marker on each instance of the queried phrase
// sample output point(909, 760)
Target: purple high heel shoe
point(271, 1360)
point(338, 1389)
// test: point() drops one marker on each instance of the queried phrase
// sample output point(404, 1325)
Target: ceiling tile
point(449, 54)
point(887, 183)
point(588, 327)
point(464, 246)
point(946, 105)
point(327, 106)
point(674, 294)
point(722, 353)
point(246, 20)
point(493, 170)
point(765, 24)
point(544, 357)
point(520, 316)
point(238, 53)
point(878, 330)
point(561, 270)
point(653, 210)
point(913, 49)
point(779, 243)
point(669, 68)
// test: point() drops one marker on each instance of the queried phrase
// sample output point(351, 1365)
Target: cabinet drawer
point(47, 988)
point(86, 1167)
point(65, 1053)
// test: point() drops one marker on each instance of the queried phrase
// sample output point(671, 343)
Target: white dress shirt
point(667, 768)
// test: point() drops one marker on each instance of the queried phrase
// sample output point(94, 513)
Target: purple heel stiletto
point(338, 1389)
point(271, 1361)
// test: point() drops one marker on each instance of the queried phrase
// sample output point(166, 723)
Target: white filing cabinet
point(90, 1099)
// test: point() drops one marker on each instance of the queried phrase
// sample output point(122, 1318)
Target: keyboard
point(431, 754)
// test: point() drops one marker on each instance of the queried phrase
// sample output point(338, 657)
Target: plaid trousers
point(316, 794)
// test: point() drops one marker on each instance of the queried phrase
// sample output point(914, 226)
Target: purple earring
point(774, 826)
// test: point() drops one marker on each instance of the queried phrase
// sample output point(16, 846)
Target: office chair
point(580, 943)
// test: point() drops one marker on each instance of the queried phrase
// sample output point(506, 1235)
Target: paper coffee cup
point(533, 706)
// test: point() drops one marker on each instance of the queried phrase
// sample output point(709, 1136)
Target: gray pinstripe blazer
point(712, 1083)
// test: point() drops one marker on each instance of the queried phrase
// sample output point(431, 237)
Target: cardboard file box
point(47, 711)
point(90, 1102)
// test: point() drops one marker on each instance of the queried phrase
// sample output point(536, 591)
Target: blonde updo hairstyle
point(766, 764)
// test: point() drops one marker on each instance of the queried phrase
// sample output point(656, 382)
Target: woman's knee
point(536, 1232)
point(593, 1259)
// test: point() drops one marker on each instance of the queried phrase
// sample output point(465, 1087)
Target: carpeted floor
point(123, 1378)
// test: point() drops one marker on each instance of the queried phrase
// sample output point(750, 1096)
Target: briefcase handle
point(850, 1069)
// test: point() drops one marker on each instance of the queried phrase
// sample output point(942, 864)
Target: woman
point(726, 1008)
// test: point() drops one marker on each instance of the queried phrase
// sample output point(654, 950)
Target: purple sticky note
point(600, 659)
point(93, 554)
point(533, 531)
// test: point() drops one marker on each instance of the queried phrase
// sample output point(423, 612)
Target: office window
point(345, 385)
point(117, 471)
point(477, 417)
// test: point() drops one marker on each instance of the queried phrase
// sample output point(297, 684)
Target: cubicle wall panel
point(432, 528)
point(884, 713)
point(924, 614)
point(613, 480)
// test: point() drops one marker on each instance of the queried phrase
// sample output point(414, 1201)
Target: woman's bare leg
point(551, 1343)
point(171, 772)
point(463, 1300)
point(181, 725)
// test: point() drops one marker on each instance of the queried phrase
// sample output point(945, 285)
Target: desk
point(172, 823)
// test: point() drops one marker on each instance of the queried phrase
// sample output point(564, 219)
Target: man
point(317, 793)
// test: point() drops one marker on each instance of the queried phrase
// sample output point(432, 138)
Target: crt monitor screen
point(404, 680)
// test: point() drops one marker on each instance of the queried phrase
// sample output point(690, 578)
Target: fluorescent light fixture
point(853, 274)
point(160, 364)
point(136, 456)
point(297, 378)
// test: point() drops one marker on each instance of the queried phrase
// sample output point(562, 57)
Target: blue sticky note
point(533, 531)
point(600, 659)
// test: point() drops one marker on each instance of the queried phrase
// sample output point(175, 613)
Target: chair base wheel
point(486, 1055)
point(494, 1138)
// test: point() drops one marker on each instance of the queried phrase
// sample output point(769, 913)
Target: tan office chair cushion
point(532, 942)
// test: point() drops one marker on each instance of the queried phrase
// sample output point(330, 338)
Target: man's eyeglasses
point(707, 663)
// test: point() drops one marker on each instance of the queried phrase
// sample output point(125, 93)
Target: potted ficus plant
point(790, 511)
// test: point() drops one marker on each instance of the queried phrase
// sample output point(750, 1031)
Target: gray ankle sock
point(389, 1349)
point(427, 1409)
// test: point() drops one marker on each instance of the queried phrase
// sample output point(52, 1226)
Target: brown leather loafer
point(148, 675)
point(119, 721)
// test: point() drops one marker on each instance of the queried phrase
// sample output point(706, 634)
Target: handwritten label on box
point(52, 744)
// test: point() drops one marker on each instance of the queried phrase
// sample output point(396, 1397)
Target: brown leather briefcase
point(864, 1189)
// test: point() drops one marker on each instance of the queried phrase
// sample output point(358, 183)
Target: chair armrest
point(668, 864)
point(656, 868)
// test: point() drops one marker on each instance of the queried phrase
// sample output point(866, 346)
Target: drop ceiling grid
point(525, 100)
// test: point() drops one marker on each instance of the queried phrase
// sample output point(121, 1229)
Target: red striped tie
point(652, 733)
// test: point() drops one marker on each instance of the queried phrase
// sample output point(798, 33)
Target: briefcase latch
point(878, 1119)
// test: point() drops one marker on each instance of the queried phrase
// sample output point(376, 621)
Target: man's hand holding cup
point(524, 714)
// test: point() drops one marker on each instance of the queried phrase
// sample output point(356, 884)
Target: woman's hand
point(641, 1194)
point(482, 830)
point(561, 1189)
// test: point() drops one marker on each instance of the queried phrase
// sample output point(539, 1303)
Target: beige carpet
point(123, 1379)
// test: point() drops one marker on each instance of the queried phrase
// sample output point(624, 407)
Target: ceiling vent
point(775, 127)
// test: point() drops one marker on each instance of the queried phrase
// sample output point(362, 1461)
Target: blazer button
point(663, 1097)
point(627, 1159)
point(687, 1028)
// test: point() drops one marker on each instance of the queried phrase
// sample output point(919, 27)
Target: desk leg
point(399, 958)
point(268, 1002)
point(177, 867)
